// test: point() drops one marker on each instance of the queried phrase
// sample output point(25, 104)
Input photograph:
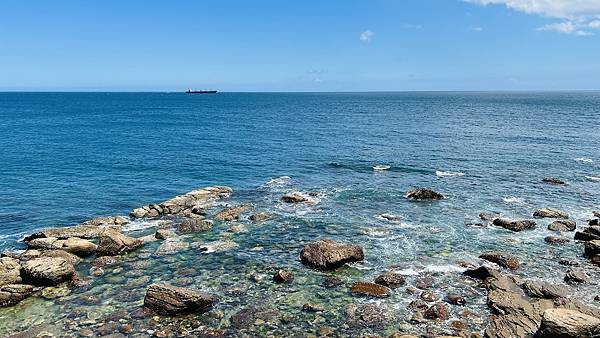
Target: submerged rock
point(514, 225)
point(564, 323)
point(164, 234)
point(232, 214)
point(502, 259)
point(171, 246)
point(553, 180)
point(327, 254)
point(12, 294)
point(170, 300)
point(259, 217)
point(367, 315)
point(113, 243)
point(194, 225)
point(550, 213)
point(10, 271)
point(294, 197)
point(423, 194)
point(390, 279)
point(47, 271)
point(282, 276)
point(371, 289)
point(562, 225)
point(488, 216)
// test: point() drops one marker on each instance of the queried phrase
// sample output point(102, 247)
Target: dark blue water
point(68, 157)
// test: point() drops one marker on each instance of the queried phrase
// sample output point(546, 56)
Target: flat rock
point(390, 279)
point(12, 294)
point(108, 221)
point(564, 323)
point(294, 197)
point(550, 213)
point(113, 243)
point(186, 204)
point(327, 254)
point(553, 180)
point(47, 271)
point(10, 271)
point(233, 213)
point(514, 225)
point(78, 246)
point(562, 225)
point(81, 231)
point(170, 300)
point(556, 240)
point(539, 289)
point(423, 194)
point(576, 276)
point(503, 259)
point(194, 225)
point(371, 289)
point(170, 246)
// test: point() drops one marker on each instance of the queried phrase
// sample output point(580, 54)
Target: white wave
point(440, 173)
point(381, 167)
point(513, 200)
point(593, 178)
point(584, 160)
point(446, 268)
point(283, 180)
point(141, 224)
point(389, 217)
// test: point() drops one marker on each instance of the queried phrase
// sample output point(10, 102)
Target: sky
point(308, 45)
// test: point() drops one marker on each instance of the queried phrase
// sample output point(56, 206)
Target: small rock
point(371, 289)
point(170, 300)
point(282, 276)
point(332, 282)
point(418, 305)
point(562, 225)
point(550, 213)
point(164, 234)
point(232, 214)
point(458, 325)
point(438, 311)
point(503, 259)
point(592, 248)
point(553, 180)
point(514, 225)
point(556, 240)
point(423, 194)
point(326, 254)
point(488, 216)
point(312, 308)
point(259, 217)
point(294, 197)
point(576, 276)
point(390, 217)
point(568, 262)
point(428, 296)
point(367, 315)
point(390, 279)
point(456, 299)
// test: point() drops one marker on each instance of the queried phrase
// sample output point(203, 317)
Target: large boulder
point(564, 323)
point(194, 225)
point(47, 271)
point(113, 243)
point(503, 259)
point(170, 300)
point(327, 254)
point(592, 248)
point(514, 225)
point(550, 213)
point(12, 294)
point(10, 271)
point(423, 194)
point(588, 234)
point(562, 225)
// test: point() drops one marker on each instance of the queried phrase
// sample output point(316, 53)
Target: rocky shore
point(62, 262)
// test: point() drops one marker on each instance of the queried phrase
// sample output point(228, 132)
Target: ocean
point(69, 157)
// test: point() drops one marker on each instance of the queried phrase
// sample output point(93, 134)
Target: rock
point(249, 316)
point(568, 262)
point(327, 254)
point(104, 261)
point(71, 258)
point(428, 296)
point(390, 279)
point(423, 194)
point(259, 217)
point(80, 231)
point(488, 216)
point(482, 273)
point(550, 213)
point(553, 180)
point(563, 323)
point(596, 213)
point(556, 240)
point(456, 299)
point(138, 213)
point(282, 276)
point(371, 289)
point(562, 225)
point(12, 294)
point(79, 247)
point(367, 315)
point(588, 234)
point(185, 205)
point(232, 214)
point(294, 197)
point(10, 271)
point(332, 282)
point(539, 289)
point(171, 246)
point(576, 276)
point(592, 248)
point(47, 271)
point(108, 221)
point(418, 305)
point(164, 234)
point(312, 308)
point(595, 260)
point(514, 225)
point(502, 259)
point(594, 222)
point(194, 225)
point(437, 311)
point(170, 300)
point(113, 243)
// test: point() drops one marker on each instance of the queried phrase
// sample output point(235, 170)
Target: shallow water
point(70, 157)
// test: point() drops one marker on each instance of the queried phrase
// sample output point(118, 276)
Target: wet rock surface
point(503, 259)
point(113, 243)
point(558, 323)
point(390, 279)
point(423, 194)
point(562, 225)
point(170, 300)
point(371, 289)
point(554, 180)
point(514, 225)
point(327, 254)
point(550, 213)
point(47, 271)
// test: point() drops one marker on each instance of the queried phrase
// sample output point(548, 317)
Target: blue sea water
point(69, 157)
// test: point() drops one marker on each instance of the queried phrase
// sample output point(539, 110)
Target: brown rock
point(456, 299)
point(514, 225)
point(562, 225)
point(503, 259)
point(170, 300)
point(312, 308)
point(47, 271)
point(113, 243)
point(555, 240)
point(79, 247)
point(10, 271)
point(232, 214)
point(592, 248)
point(294, 198)
point(539, 289)
point(164, 234)
point(437, 311)
point(390, 279)
point(367, 315)
point(423, 194)
point(576, 276)
point(428, 296)
point(11, 294)
point(282, 276)
point(562, 323)
point(326, 254)
point(550, 213)
point(371, 289)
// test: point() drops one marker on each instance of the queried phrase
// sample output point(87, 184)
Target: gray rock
point(47, 271)
point(186, 204)
point(423, 194)
point(556, 240)
point(564, 323)
point(390, 279)
point(550, 213)
point(232, 214)
point(259, 217)
point(503, 259)
point(514, 225)
point(113, 243)
point(170, 300)
point(294, 198)
point(194, 225)
point(10, 271)
point(12, 294)
point(576, 276)
point(539, 289)
point(327, 254)
point(164, 234)
point(562, 225)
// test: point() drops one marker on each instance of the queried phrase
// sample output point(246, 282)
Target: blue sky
point(309, 45)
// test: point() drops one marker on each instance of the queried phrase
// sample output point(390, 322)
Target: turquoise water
point(69, 157)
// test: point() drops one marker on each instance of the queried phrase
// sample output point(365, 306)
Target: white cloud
point(476, 29)
point(366, 36)
point(578, 16)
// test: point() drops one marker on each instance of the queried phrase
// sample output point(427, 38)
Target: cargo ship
point(202, 91)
